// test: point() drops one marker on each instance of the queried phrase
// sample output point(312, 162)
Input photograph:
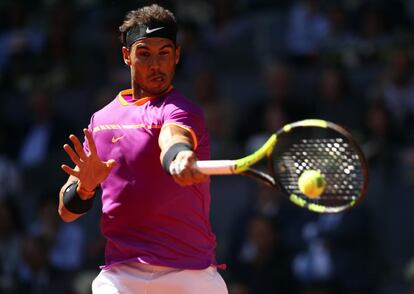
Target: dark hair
point(147, 15)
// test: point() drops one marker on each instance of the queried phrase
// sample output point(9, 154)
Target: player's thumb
point(110, 163)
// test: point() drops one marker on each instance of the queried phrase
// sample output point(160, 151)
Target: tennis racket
point(310, 144)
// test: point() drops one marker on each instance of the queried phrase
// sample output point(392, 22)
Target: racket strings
point(334, 158)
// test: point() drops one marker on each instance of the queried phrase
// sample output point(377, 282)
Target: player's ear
point(126, 54)
point(177, 54)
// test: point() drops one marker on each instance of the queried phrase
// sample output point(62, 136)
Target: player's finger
point(110, 164)
point(72, 154)
point(181, 181)
point(69, 170)
point(198, 176)
point(173, 169)
point(175, 173)
point(78, 147)
point(90, 140)
point(183, 168)
point(186, 177)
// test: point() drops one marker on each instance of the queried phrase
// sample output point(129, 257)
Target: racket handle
point(215, 167)
point(208, 167)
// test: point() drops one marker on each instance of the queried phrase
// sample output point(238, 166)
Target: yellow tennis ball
point(311, 183)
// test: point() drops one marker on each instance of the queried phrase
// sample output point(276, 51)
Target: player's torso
point(129, 135)
point(146, 215)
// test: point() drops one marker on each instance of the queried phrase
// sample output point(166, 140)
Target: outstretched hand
point(90, 169)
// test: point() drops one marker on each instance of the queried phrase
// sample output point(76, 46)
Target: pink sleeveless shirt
point(146, 216)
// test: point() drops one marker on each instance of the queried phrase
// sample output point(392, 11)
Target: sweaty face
point(152, 62)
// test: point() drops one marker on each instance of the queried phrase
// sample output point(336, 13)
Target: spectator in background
point(34, 275)
point(42, 131)
point(380, 134)
point(199, 11)
point(262, 264)
point(10, 176)
point(277, 106)
point(373, 34)
point(39, 151)
point(112, 66)
point(334, 101)
point(307, 28)
point(194, 50)
point(220, 114)
point(65, 240)
point(226, 37)
point(397, 89)
point(10, 244)
point(272, 119)
point(223, 28)
point(271, 204)
point(338, 47)
point(18, 37)
point(58, 61)
point(337, 254)
point(65, 243)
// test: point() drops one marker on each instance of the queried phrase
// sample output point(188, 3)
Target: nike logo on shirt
point(116, 139)
point(149, 31)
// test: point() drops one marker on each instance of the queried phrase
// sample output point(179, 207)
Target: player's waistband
point(145, 267)
point(150, 268)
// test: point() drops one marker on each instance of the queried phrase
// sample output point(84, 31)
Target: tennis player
point(156, 225)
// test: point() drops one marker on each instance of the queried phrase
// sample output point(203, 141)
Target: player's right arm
point(88, 173)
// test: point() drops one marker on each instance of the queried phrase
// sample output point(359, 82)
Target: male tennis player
point(157, 228)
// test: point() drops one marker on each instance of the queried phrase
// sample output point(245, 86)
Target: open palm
point(90, 169)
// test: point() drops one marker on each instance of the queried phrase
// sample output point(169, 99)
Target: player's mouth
point(157, 78)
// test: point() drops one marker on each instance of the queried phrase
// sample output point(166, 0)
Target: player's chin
point(157, 87)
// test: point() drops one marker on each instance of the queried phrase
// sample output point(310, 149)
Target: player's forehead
point(154, 43)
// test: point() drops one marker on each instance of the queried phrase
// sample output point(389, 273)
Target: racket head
point(326, 147)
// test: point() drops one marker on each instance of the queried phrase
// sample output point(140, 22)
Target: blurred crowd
point(253, 65)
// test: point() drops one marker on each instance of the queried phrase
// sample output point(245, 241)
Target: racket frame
point(243, 166)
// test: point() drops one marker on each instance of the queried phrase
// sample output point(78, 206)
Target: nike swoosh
point(116, 139)
point(149, 31)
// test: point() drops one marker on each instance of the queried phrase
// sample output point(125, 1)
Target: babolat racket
point(312, 156)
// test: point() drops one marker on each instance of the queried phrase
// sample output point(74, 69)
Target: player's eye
point(144, 54)
point(165, 52)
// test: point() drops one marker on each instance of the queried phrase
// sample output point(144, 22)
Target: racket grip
point(215, 167)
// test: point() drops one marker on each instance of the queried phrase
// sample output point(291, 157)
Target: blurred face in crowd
point(378, 121)
point(152, 62)
point(278, 83)
point(400, 67)
point(6, 220)
point(262, 235)
point(331, 85)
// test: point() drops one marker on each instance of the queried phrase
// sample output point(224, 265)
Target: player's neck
point(139, 93)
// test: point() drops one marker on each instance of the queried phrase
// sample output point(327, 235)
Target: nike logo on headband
point(149, 31)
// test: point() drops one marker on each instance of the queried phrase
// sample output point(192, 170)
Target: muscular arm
point(172, 134)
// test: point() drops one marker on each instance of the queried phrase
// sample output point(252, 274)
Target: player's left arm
point(177, 145)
